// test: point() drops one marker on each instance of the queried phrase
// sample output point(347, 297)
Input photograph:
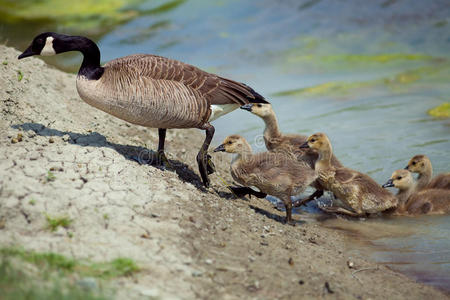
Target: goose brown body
point(421, 164)
point(359, 193)
point(159, 92)
point(277, 174)
point(418, 202)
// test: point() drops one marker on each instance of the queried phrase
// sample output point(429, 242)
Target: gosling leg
point(315, 195)
point(341, 210)
point(202, 156)
point(288, 205)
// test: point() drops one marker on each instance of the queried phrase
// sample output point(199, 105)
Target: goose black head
point(45, 44)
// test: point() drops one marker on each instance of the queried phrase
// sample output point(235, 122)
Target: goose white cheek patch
point(48, 49)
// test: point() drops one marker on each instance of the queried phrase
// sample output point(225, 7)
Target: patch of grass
point(115, 268)
point(32, 202)
point(19, 75)
point(50, 176)
point(105, 217)
point(46, 259)
point(52, 261)
point(16, 284)
point(54, 222)
point(5, 63)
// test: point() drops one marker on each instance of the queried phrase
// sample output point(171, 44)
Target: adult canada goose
point(417, 202)
point(277, 174)
point(359, 193)
point(421, 164)
point(150, 90)
point(276, 141)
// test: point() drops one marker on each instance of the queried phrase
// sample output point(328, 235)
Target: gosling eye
point(230, 142)
point(259, 105)
point(312, 140)
point(399, 177)
point(413, 163)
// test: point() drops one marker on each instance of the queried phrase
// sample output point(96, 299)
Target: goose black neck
point(90, 67)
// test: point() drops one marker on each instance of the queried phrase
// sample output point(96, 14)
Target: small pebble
point(208, 261)
point(350, 264)
point(291, 261)
point(51, 140)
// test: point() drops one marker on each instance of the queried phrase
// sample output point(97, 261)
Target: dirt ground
point(189, 242)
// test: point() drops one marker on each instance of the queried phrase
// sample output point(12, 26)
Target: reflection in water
point(364, 74)
point(419, 247)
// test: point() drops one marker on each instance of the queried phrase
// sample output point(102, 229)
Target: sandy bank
point(73, 160)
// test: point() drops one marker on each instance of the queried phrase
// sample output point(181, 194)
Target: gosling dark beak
point(26, 53)
point(247, 106)
point(407, 168)
point(220, 148)
point(304, 145)
point(389, 183)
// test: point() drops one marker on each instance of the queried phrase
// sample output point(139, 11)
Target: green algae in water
point(90, 15)
point(441, 111)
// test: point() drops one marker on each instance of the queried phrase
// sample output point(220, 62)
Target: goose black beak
point(220, 148)
point(389, 183)
point(304, 145)
point(247, 106)
point(26, 53)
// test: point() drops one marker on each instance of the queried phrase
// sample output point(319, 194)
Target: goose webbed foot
point(242, 191)
point(210, 167)
point(202, 161)
point(162, 160)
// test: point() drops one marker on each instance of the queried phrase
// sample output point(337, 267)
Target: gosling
point(276, 141)
point(421, 164)
point(359, 193)
point(417, 202)
point(277, 174)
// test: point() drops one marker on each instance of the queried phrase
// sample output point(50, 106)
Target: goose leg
point(202, 156)
point(162, 159)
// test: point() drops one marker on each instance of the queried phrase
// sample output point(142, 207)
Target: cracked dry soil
point(61, 157)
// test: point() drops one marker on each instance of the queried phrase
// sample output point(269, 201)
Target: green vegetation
point(5, 63)
point(441, 111)
point(55, 262)
point(399, 82)
point(93, 16)
point(54, 222)
point(50, 176)
point(16, 284)
point(19, 75)
point(32, 202)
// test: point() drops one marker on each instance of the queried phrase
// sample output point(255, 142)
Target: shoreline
point(75, 160)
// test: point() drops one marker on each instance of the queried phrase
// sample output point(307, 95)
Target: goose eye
point(399, 177)
point(259, 105)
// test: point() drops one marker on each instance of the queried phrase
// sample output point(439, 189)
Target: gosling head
point(317, 141)
point(401, 179)
point(233, 144)
point(418, 164)
point(45, 44)
point(260, 109)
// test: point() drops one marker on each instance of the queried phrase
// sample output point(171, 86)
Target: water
point(364, 74)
